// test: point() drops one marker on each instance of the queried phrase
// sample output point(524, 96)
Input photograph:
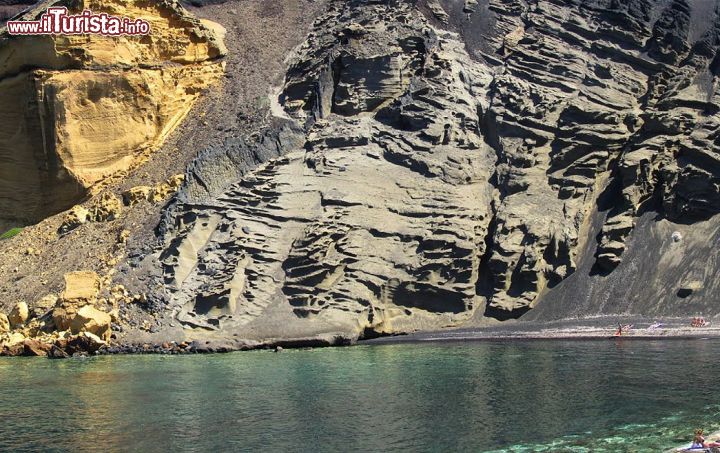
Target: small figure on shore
point(699, 321)
point(622, 329)
point(699, 441)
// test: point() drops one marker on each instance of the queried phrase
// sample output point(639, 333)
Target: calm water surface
point(512, 396)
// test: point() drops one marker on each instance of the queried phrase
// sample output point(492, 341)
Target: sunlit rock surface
point(408, 166)
point(451, 164)
point(77, 109)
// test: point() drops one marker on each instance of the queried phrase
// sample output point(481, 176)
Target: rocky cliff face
point(364, 221)
point(10, 8)
point(451, 162)
point(429, 164)
point(79, 109)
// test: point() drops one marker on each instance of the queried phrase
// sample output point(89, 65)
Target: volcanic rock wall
point(78, 109)
point(10, 8)
point(451, 163)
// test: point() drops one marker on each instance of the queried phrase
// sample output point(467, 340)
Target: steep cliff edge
point(79, 109)
point(436, 164)
point(452, 175)
point(36, 262)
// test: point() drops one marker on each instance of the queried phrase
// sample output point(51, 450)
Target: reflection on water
point(518, 396)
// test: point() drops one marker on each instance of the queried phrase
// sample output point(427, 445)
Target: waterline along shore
point(597, 329)
point(558, 396)
point(573, 329)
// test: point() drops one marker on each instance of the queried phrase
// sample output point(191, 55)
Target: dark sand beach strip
point(602, 328)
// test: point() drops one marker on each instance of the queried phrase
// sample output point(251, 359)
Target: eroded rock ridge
point(439, 174)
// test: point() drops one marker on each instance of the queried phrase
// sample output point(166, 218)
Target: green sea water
point(481, 396)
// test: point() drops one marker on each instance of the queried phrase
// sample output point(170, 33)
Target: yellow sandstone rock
point(81, 290)
point(115, 315)
point(36, 348)
point(81, 286)
point(63, 316)
point(106, 207)
point(175, 182)
point(77, 216)
point(47, 302)
point(78, 109)
point(90, 319)
point(136, 195)
point(42, 306)
point(118, 292)
point(4, 323)
point(92, 341)
point(122, 238)
point(19, 315)
point(165, 189)
point(15, 338)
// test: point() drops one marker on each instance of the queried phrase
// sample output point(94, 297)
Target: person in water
point(699, 441)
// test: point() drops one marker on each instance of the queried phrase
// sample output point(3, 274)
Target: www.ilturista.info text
point(57, 21)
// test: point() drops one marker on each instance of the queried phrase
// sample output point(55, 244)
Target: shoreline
point(592, 329)
point(589, 329)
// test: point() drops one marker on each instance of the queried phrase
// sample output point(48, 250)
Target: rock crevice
point(434, 175)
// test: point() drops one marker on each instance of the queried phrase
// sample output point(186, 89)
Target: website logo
point(57, 21)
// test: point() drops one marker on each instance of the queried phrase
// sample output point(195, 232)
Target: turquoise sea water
point(498, 396)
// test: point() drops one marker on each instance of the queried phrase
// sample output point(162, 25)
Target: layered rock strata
point(78, 109)
point(378, 221)
point(440, 163)
point(444, 178)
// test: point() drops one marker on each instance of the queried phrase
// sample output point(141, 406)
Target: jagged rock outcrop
point(19, 315)
point(577, 104)
point(359, 228)
point(78, 109)
point(445, 177)
point(59, 327)
point(423, 164)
